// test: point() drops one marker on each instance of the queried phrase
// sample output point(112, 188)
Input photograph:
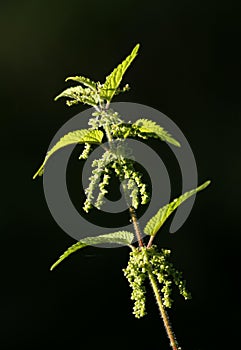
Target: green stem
point(106, 127)
point(170, 333)
point(150, 241)
point(108, 133)
point(131, 209)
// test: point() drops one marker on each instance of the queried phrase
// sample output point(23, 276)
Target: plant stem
point(136, 226)
point(108, 134)
point(170, 333)
point(150, 241)
point(131, 209)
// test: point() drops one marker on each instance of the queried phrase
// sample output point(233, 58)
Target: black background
point(189, 69)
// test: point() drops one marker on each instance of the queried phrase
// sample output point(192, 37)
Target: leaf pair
point(125, 237)
point(94, 92)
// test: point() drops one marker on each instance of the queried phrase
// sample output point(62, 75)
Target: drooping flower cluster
point(167, 275)
point(136, 274)
point(148, 260)
point(98, 180)
point(119, 160)
point(86, 151)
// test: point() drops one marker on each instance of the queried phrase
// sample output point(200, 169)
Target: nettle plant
point(146, 260)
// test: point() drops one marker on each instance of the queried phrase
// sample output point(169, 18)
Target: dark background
point(189, 69)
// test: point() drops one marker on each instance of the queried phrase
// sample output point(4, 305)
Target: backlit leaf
point(150, 127)
point(83, 80)
point(114, 79)
point(78, 94)
point(119, 237)
point(77, 136)
point(155, 223)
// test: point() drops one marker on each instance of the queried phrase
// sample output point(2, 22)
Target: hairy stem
point(108, 133)
point(170, 333)
point(152, 279)
point(150, 241)
point(136, 226)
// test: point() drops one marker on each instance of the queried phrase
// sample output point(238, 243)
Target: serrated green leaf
point(119, 237)
point(78, 94)
point(85, 81)
point(150, 127)
point(77, 136)
point(72, 92)
point(155, 223)
point(113, 80)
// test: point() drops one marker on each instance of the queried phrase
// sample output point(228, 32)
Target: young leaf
point(155, 223)
point(119, 237)
point(114, 79)
point(85, 81)
point(72, 92)
point(77, 136)
point(147, 126)
point(78, 94)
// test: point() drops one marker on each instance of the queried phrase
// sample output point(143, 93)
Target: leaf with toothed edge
point(85, 81)
point(77, 136)
point(155, 223)
point(78, 94)
point(119, 237)
point(148, 126)
point(113, 80)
